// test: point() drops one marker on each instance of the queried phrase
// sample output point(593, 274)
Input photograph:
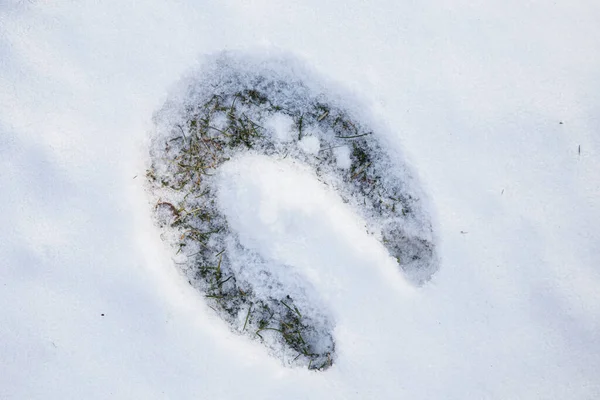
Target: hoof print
point(238, 103)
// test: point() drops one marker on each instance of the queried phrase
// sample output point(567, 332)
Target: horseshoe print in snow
point(236, 104)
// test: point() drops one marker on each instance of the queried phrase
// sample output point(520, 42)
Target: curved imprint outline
point(232, 105)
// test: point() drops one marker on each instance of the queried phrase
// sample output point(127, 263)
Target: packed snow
point(494, 107)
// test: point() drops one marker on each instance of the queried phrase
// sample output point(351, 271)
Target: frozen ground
point(496, 107)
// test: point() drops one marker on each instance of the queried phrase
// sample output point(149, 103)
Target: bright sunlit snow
point(495, 107)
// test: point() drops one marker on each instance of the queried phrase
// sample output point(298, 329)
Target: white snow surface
point(496, 106)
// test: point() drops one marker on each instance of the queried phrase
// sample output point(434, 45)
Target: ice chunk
point(342, 157)
point(310, 144)
point(280, 126)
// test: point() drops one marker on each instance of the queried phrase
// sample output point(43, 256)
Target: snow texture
point(493, 105)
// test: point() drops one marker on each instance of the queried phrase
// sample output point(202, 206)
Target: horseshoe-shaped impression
point(239, 103)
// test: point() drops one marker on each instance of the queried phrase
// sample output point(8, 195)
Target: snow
point(490, 104)
point(281, 127)
point(342, 157)
point(310, 144)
